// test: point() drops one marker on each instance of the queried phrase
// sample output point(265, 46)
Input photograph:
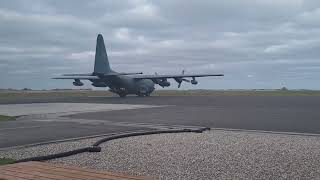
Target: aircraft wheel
point(122, 95)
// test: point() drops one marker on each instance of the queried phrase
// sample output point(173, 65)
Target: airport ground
point(7, 95)
point(251, 110)
point(100, 113)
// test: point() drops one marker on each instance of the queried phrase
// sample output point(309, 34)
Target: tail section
point(101, 63)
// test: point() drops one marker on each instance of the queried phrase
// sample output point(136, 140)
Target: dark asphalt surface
point(269, 113)
point(16, 133)
point(274, 113)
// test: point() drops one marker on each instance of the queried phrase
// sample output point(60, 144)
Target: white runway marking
point(48, 108)
point(27, 127)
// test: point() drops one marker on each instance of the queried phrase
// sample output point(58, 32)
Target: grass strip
point(4, 161)
point(6, 118)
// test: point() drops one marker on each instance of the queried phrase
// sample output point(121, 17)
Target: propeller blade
point(179, 85)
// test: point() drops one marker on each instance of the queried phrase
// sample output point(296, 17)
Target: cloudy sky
point(256, 44)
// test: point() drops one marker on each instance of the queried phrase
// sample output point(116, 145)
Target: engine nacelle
point(77, 82)
point(164, 83)
point(99, 84)
point(193, 81)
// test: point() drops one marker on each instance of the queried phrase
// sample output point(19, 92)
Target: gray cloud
point(257, 44)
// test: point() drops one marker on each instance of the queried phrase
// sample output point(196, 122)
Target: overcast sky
point(256, 44)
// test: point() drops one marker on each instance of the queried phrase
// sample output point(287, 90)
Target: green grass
point(4, 161)
point(6, 118)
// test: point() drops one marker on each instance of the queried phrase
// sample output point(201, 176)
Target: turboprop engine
point(194, 81)
point(164, 83)
point(77, 82)
point(99, 84)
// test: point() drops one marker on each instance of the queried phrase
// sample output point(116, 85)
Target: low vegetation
point(6, 118)
point(6, 95)
point(4, 161)
point(280, 92)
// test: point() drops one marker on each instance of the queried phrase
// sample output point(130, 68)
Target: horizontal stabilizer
point(90, 76)
point(77, 77)
point(87, 74)
point(118, 74)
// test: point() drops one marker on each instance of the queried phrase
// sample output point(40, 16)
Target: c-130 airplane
point(126, 83)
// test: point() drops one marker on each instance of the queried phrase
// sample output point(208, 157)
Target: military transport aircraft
point(126, 83)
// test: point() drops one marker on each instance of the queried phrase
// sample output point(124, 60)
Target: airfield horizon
point(13, 94)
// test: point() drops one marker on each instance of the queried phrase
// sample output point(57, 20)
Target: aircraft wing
point(173, 76)
point(83, 76)
point(77, 77)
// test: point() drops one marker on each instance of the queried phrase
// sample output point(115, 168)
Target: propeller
point(182, 79)
point(160, 82)
point(179, 80)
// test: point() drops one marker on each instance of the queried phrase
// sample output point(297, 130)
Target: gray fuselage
point(123, 85)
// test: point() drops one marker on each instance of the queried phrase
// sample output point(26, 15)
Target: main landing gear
point(147, 94)
point(123, 95)
point(120, 91)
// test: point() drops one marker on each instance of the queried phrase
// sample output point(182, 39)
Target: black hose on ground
point(200, 130)
point(63, 154)
point(96, 148)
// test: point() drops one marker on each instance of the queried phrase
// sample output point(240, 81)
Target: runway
point(263, 113)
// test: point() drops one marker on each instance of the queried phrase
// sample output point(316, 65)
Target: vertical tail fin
point(101, 63)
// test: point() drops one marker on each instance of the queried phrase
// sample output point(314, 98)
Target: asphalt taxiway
point(298, 114)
